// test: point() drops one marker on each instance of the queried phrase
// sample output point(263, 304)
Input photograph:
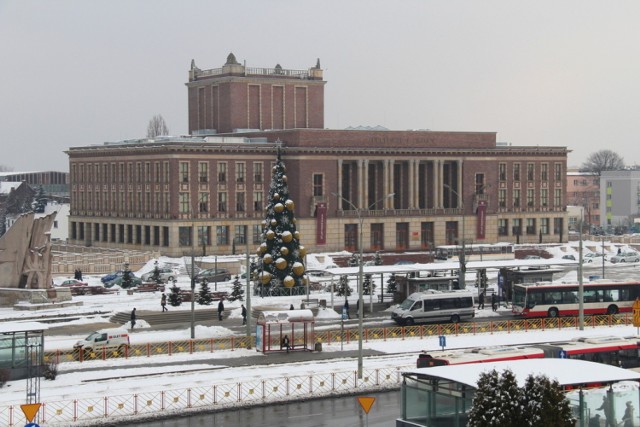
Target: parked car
point(626, 257)
point(593, 257)
point(569, 256)
point(214, 275)
point(73, 282)
point(135, 281)
point(111, 276)
point(166, 275)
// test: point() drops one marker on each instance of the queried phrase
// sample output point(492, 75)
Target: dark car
point(214, 275)
point(111, 276)
point(135, 281)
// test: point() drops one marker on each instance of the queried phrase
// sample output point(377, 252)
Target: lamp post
point(248, 278)
point(462, 257)
point(580, 279)
point(360, 276)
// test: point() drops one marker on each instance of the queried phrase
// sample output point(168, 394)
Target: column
point(339, 183)
point(365, 182)
point(385, 178)
point(361, 203)
point(460, 186)
point(388, 203)
point(411, 184)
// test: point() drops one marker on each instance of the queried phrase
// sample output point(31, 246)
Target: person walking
point(133, 318)
point(285, 343)
point(481, 300)
point(628, 415)
point(291, 307)
point(606, 407)
point(244, 315)
point(494, 302)
point(163, 302)
point(220, 309)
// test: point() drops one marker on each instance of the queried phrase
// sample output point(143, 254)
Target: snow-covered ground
point(129, 377)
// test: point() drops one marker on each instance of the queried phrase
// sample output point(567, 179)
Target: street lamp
point(360, 277)
point(580, 279)
point(248, 278)
point(462, 257)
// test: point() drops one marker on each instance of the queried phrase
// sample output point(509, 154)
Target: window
point(544, 197)
point(257, 201)
point(531, 167)
point(516, 230)
point(544, 225)
point(184, 236)
point(222, 235)
point(204, 235)
point(318, 189)
point(557, 171)
point(203, 202)
point(502, 198)
point(240, 171)
point(544, 171)
point(157, 173)
point(147, 172)
point(502, 171)
point(240, 234)
point(240, 205)
point(451, 232)
point(222, 172)
point(557, 197)
point(530, 197)
point(480, 183)
point(184, 202)
point(516, 171)
point(516, 198)
point(257, 233)
point(503, 227)
point(167, 202)
point(203, 171)
point(426, 235)
point(222, 202)
point(531, 226)
point(257, 172)
point(184, 172)
point(165, 172)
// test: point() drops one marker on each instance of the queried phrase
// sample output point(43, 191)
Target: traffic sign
point(636, 313)
point(443, 341)
point(366, 402)
point(32, 425)
point(562, 354)
point(30, 410)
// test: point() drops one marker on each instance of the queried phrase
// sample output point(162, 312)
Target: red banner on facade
point(481, 217)
point(321, 224)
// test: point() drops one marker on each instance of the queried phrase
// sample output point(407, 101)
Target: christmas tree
point(127, 279)
point(391, 284)
point(281, 255)
point(343, 288)
point(175, 299)
point(367, 285)
point(155, 276)
point(236, 290)
point(204, 295)
point(378, 259)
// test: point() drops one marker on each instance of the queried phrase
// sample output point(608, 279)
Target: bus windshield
point(519, 296)
point(406, 304)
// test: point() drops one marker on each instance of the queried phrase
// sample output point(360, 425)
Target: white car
point(593, 257)
point(626, 257)
point(167, 275)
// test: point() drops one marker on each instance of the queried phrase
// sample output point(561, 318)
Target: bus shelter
point(442, 396)
point(273, 326)
point(21, 349)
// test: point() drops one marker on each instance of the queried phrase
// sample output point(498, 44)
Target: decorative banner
point(321, 223)
point(481, 222)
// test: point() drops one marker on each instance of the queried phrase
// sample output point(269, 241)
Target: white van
point(435, 306)
point(108, 339)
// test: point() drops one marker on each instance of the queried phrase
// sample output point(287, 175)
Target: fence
point(212, 397)
point(348, 335)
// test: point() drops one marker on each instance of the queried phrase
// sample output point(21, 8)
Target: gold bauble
point(274, 222)
point(302, 251)
point(289, 282)
point(284, 250)
point(284, 178)
point(265, 277)
point(279, 207)
point(271, 234)
point(276, 196)
point(264, 223)
point(298, 268)
point(294, 220)
point(296, 235)
point(287, 236)
point(281, 263)
point(289, 205)
point(267, 259)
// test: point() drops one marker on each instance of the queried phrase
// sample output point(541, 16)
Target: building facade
point(620, 196)
point(397, 190)
point(583, 190)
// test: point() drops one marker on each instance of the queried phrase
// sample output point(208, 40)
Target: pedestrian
point(133, 318)
point(285, 343)
point(619, 251)
point(80, 275)
point(628, 415)
point(220, 309)
point(481, 300)
point(606, 407)
point(75, 274)
point(346, 308)
point(244, 315)
point(494, 302)
point(291, 307)
point(163, 302)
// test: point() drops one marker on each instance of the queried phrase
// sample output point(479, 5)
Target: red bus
point(561, 299)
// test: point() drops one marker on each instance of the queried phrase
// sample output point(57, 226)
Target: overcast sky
point(561, 73)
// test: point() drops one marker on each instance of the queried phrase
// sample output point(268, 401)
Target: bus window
point(590, 296)
point(611, 295)
point(554, 297)
point(624, 294)
point(448, 303)
point(417, 306)
point(570, 297)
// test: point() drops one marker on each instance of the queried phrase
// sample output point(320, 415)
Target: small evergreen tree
point(236, 290)
point(175, 299)
point(378, 259)
point(155, 276)
point(368, 287)
point(40, 201)
point(391, 284)
point(545, 404)
point(127, 279)
point(343, 288)
point(353, 261)
point(204, 295)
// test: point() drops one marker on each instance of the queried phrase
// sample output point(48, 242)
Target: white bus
point(435, 306)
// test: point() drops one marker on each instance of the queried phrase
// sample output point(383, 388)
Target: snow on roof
point(566, 371)
point(285, 316)
point(7, 186)
point(6, 327)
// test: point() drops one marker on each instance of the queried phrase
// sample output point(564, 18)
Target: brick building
point(583, 190)
point(208, 190)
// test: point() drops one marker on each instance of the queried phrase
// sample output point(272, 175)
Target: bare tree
point(157, 126)
point(603, 160)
